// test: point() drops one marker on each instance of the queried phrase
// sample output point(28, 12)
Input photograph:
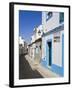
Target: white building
point(36, 44)
point(22, 46)
point(21, 41)
point(53, 41)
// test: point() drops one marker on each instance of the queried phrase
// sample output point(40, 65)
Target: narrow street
point(25, 70)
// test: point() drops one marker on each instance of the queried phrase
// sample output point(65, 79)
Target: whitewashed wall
point(32, 38)
point(44, 20)
point(56, 49)
point(58, 52)
point(51, 23)
point(37, 34)
point(33, 51)
point(21, 41)
point(57, 57)
point(43, 47)
point(44, 42)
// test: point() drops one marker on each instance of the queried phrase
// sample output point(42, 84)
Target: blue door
point(50, 53)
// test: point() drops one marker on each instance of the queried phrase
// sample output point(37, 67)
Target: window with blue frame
point(48, 15)
point(61, 17)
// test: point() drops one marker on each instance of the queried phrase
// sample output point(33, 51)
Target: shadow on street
point(25, 71)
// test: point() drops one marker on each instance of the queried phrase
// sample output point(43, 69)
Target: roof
point(37, 40)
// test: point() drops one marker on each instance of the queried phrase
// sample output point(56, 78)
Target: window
point(40, 46)
point(20, 45)
point(37, 50)
point(61, 17)
point(39, 32)
point(48, 16)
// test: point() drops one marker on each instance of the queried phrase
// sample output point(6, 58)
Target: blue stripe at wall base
point(54, 68)
point(57, 69)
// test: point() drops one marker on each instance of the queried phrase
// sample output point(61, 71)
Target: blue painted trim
point(57, 29)
point(57, 69)
point(44, 61)
point(47, 51)
point(47, 54)
point(61, 17)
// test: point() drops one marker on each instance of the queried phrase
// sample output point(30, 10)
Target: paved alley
point(25, 70)
point(46, 73)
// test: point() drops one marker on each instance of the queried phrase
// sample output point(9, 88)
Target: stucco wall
point(56, 49)
point(51, 23)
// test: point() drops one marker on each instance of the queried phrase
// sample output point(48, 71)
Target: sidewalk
point(46, 73)
point(30, 62)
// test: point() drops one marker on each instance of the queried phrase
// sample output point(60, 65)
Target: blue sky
point(27, 21)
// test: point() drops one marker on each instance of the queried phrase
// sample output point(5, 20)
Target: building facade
point(35, 47)
point(53, 41)
point(23, 47)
